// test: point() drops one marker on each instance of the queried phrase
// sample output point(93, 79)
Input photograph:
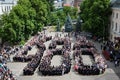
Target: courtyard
point(111, 73)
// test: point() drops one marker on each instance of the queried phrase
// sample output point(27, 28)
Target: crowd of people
point(45, 65)
point(33, 64)
point(113, 51)
point(37, 40)
point(81, 42)
point(99, 64)
point(81, 47)
point(52, 45)
point(20, 53)
point(35, 60)
point(5, 72)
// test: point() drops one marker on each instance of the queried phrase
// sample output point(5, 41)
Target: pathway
point(87, 59)
point(56, 62)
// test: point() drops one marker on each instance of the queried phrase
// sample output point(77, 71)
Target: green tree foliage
point(95, 15)
point(26, 18)
point(51, 3)
point(72, 11)
point(62, 13)
point(53, 18)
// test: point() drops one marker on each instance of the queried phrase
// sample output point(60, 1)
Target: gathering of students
point(80, 48)
point(45, 65)
point(5, 72)
point(111, 51)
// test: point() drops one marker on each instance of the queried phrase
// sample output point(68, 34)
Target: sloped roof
point(116, 4)
point(66, 5)
point(6, 1)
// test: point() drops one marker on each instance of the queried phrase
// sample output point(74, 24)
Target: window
point(113, 15)
point(9, 8)
point(116, 27)
point(116, 15)
point(112, 25)
point(2, 9)
point(111, 36)
point(5, 9)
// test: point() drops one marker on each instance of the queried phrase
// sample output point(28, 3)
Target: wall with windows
point(6, 6)
point(115, 23)
point(58, 4)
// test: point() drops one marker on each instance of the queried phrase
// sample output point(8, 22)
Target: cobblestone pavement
point(111, 72)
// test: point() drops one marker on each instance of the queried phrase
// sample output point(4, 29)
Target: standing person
point(116, 62)
point(111, 55)
point(63, 68)
point(60, 34)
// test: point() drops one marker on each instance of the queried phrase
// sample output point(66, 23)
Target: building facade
point(6, 5)
point(77, 3)
point(62, 3)
point(115, 21)
point(72, 3)
point(58, 4)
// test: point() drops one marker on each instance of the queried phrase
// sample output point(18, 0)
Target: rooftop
point(115, 3)
point(7, 1)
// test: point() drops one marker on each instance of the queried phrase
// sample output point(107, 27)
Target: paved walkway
point(111, 73)
point(56, 60)
point(87, 59)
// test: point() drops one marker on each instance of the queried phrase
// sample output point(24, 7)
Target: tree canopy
point(62, 14)
point(26, 18)
point(95, 15)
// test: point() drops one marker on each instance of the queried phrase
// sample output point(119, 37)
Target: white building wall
point(6, 6)
point(115, 23)
point(58, 4)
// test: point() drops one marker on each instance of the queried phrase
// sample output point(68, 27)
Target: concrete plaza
point(111, 72)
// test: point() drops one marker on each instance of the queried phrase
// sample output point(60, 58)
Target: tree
point(61, 16)
point(72, 11)
point(53, 18)
point(95, 15)
point(67, 10)
point(26, 18)
point(62, 13)
point(51, 3)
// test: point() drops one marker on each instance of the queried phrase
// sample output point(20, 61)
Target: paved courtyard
point(111, 72)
